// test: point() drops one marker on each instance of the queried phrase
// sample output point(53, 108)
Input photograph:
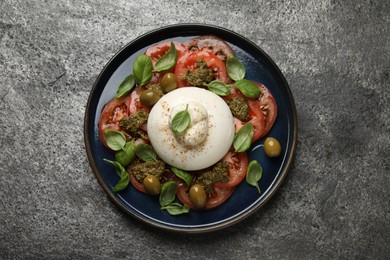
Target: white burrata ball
point(205, 141)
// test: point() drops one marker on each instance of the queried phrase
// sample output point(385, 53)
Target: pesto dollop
point(239, 108)
point(218, 173)
point(202, 74)
point(132, 124)
point(141, 169)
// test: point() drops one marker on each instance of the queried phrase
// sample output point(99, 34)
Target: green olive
point(168, 82)
point(272, 147)
point(152, 184)
point(149, 97)
point(198, 196)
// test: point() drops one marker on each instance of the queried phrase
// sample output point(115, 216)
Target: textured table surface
point(335, 201)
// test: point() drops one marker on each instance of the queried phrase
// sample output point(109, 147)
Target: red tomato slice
point(256, 116)
point(138, 185)
point(188, 62)
point(257, 120)
point(156, 78)
point(219, 196)
point(212, 44)
point(238, 165)
point(267, 104)
point(112, 113)
point(118, 108)
point(156, 51)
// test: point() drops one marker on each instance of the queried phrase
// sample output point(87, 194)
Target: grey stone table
point(335, 201)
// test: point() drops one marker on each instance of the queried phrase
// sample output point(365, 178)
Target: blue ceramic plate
point(245, 199)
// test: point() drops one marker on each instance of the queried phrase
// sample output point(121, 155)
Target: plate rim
point(223, 224)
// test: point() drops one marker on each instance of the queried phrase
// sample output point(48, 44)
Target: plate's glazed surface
point(246, 199)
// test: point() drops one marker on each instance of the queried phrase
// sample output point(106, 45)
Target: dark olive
point(149, 97)
point(168, 82)
point(272, 147)
point(198, 196)
point(152, 184)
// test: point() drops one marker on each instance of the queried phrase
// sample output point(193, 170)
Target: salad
point(184, 101)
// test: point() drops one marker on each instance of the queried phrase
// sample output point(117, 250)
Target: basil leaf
point(217, 87)
point(248, 88)
point(176, 208)
point(181, 121)
point(185, 176)
point(126, 86)
point(122, 183)
point(243, 139)
point(168, 60)
point(115, 140)
point(126, 155)
point(118, 167)
point(142, 69)
point(254, 174)
point(123, 174)
point(146, 153)
point(168, 193)
point(234, 68)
